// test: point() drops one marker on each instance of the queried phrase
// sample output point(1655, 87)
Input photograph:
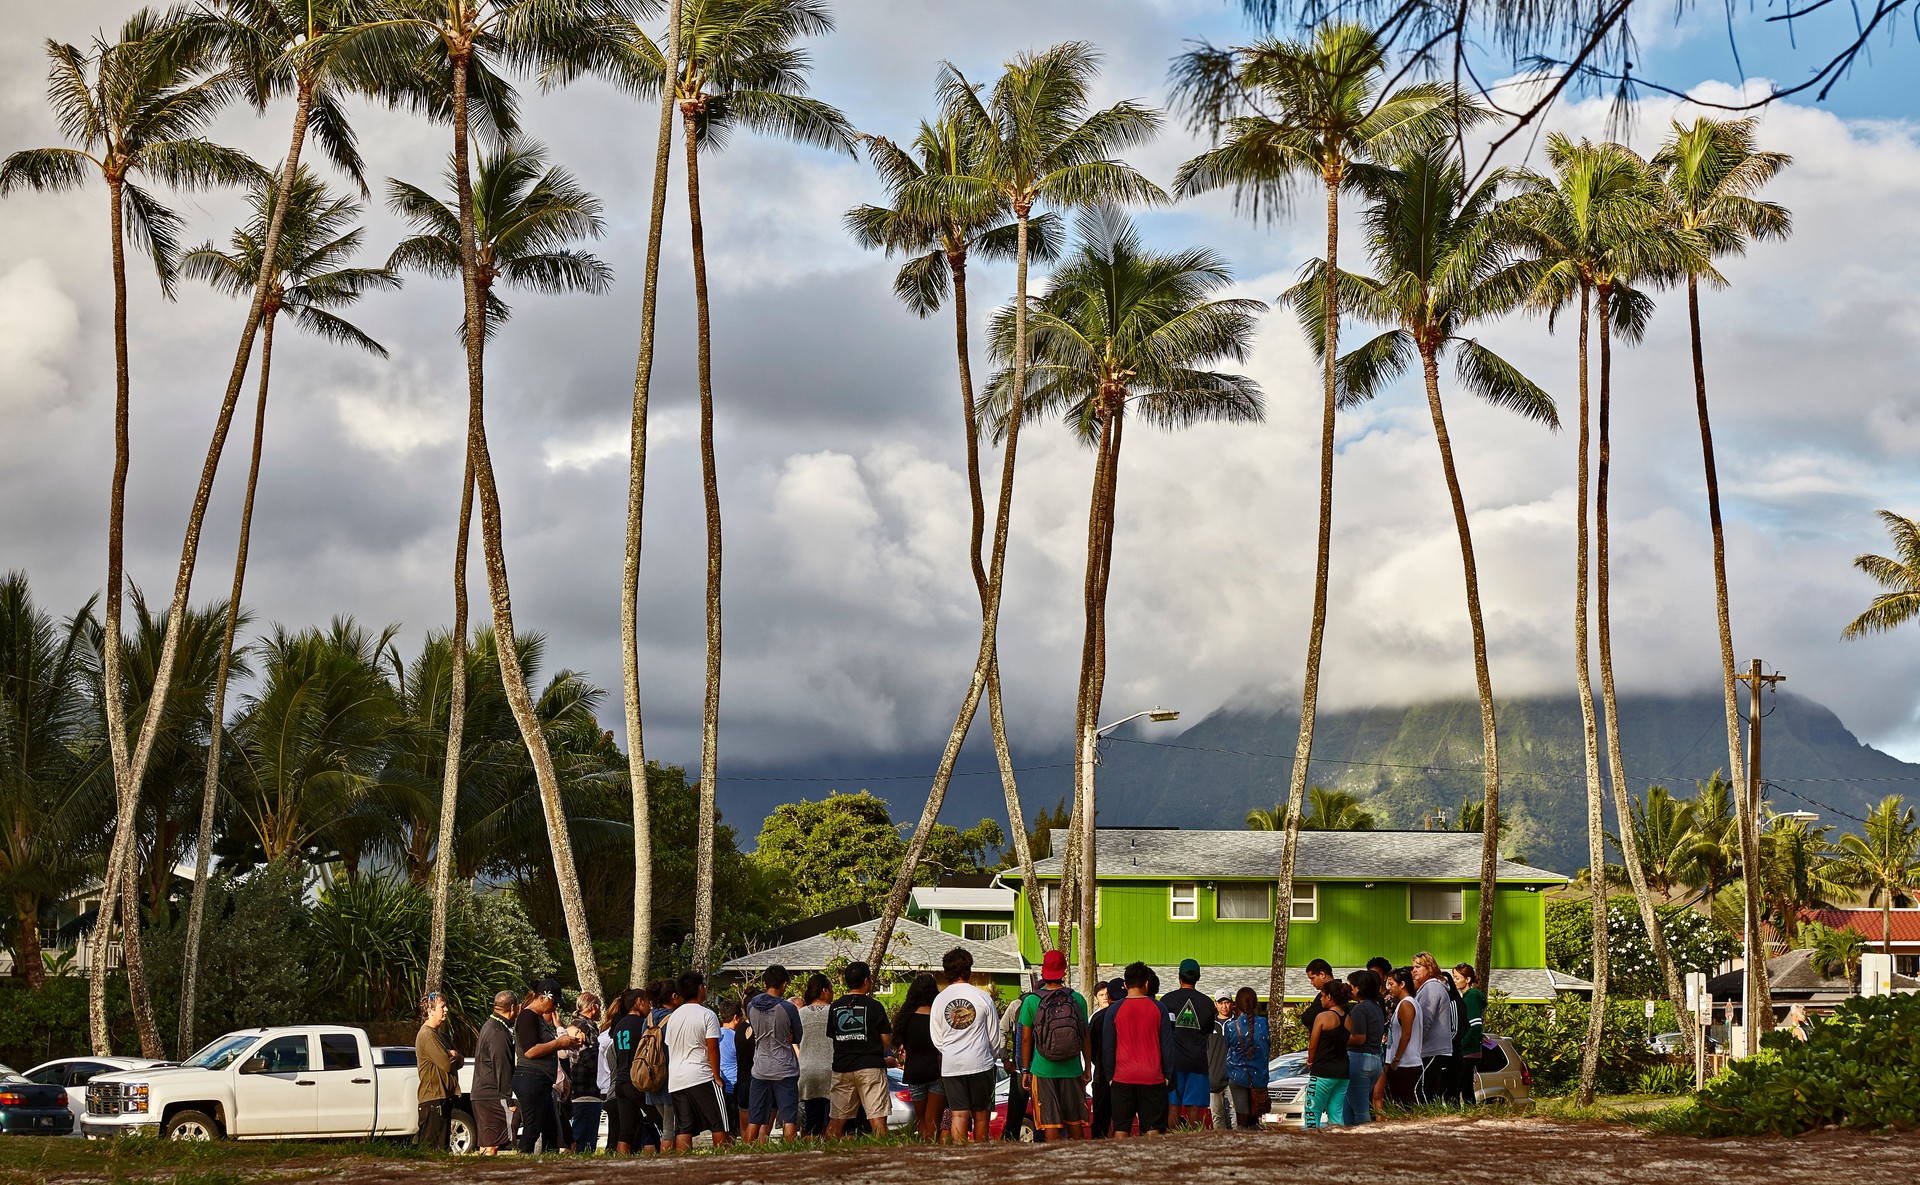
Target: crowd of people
point(662, 1066)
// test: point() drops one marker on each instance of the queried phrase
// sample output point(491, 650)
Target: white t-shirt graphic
point(966, 1030)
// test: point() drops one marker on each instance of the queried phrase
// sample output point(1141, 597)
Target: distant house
point(984, 914)
point(1166, 895)
point(1867, 923)
point(1794, 978)
point(913, 948)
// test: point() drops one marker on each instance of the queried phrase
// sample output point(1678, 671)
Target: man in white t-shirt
point(965, 1030)
point(693, 1067)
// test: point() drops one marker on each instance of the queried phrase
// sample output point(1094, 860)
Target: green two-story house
point(1167, 895)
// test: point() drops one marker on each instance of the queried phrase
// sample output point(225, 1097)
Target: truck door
point(276, 1091)
point(347, 1090)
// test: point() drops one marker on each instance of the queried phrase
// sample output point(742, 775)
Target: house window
point(984, 931)
point(1434, 903)
point(1306, 903)
point(1185, 902)
point(1053, 906)
point(1242, 903)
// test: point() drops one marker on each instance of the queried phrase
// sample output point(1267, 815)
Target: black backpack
point(1059, 1031)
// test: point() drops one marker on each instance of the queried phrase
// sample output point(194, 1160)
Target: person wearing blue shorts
point(1194, 1018)
point(775, 1091)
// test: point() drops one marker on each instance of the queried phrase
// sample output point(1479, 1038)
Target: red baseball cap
point(1053, 966)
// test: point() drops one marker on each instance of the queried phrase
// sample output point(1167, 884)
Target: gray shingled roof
point(1525, 984)
point(1323, 855)
point(914, 947)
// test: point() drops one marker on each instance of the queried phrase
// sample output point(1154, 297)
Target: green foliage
point(52, 1021)
point(845, 850)
point(1045, 823)
point(1856, 1069)
point(1696, 943)
point(253, 953)
point(1671, 1077)
point(1552, 1038)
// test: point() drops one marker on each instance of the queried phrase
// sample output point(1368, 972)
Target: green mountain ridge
point(1407, 761)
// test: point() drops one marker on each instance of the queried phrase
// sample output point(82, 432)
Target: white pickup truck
point(290, 1083)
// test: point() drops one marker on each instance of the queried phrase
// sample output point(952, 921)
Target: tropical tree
point(1710, 857)
point(1797, 873)
point(1327, 810)
point(1663, 829)
point(1835, 952)
point(1440, 265)
point(1709, 173)
point(1286, 114)
point(1898, 574)
point(310, 277)
point(511, 228)
point(938, 246)
point(1040, 143)
point(56, 789)
point(1124, 329)
point(1883, 862)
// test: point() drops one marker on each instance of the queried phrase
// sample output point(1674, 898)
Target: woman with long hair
point(816, 1055)
point(1403, 1038)
point(1248, 1050)
point(1327, 1058)
point(1366, 1045)
point(627, 1018)
point(919, 1057)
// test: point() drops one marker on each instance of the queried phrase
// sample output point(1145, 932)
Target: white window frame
point(1457, 891)
point(1266, 894)
point(1175, 899)
point(985, 928)
point(1050, 903)
point(1308, 894)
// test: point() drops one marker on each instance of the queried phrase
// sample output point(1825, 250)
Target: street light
point(1090, 758)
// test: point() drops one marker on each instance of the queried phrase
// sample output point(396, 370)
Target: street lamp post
point(1089, 900)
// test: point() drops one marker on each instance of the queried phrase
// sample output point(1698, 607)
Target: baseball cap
point(1190, 970)
point(1054, 965)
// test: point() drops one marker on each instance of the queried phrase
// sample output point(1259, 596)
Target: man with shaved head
point(493, 1076)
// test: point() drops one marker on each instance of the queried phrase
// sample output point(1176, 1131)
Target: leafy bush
point(1696, 942)
point(253, 954)
point(52, 1022)
point(1664, 1078)
point(1553, 1037)
point(1856, 1069)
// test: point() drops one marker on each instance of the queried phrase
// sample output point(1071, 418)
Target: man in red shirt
point(1136, 1061)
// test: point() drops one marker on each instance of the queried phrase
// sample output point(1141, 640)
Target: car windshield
point(219, 1054)
point(1287, 1064)
point(9, 1074)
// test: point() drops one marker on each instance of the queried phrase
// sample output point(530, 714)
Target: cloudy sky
point(850, 618)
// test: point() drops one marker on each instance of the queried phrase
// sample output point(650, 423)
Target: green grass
point(134, 1159)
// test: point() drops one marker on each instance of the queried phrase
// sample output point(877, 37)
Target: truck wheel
point(463, 1138)
point(193, 1125)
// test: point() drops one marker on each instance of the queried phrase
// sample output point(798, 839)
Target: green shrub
point(253, 955)
point(1856, 1069)
point(1553, 1037)
point(1664, 1078)
point(52, 1022)
point(1696, 942)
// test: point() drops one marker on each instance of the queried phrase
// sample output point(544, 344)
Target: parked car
point(75, 1072)
point(1503, 1079)
point(29, 1108)
point(289, 1083)
point(1674, 1044)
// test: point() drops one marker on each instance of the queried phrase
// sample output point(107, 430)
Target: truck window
point(286, 1055)
point(339, 1051)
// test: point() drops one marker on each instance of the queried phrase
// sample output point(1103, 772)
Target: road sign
point(1649, 1009)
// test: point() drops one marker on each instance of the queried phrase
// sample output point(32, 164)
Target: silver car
point(1502, 1080)
point(74, 1073)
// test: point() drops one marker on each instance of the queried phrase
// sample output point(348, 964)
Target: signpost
point(1701, 1006)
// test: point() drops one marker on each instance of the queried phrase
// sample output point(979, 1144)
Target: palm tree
point(1039, 143)
point(1589, 228)
point(134, 108)
point(939, 246)
point(1293, 113)
point(1835, 952)
point(1663, 827)
point(1884, 861)
point(1797, 872)
point(1327, 810)
point(510, 228)
point(1440, 265)
point(1898, 574)
point(1710, 859)
point(55, 781)
point(1710, 172)
point(310, 276)
point(1122, 328)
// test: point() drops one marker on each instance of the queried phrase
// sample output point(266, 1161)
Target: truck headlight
point(137, 1098)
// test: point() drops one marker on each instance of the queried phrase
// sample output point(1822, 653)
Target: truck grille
point(114, 1098)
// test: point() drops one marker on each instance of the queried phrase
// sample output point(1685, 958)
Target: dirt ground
point(1537, 1152)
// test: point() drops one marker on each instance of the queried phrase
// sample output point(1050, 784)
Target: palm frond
point(1494, 379)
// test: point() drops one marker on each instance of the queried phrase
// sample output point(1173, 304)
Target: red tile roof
point(1866, 922)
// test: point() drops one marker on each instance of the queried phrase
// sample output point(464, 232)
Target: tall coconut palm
point(133, 108)
point(1287, 114)
point(1663, 827)
point(509, 228)
point(310, 277)
point(939, 247)
point(1440, 265)
point(1710, 172)
point(1710, 857)
point(1040, 143)
point(1884, 862)
point(1327, 810)
point(1797, 872)
point(1899, 574)
point(1585, 227)
point(1125, 332)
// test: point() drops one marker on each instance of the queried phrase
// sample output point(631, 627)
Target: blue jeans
point(1363, 1070)
point(586, 1126)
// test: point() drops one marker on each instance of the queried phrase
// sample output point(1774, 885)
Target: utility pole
point(1753, 1005)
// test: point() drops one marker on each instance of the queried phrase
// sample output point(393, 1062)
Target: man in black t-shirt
point(860, 1031)
point(1194, 1017)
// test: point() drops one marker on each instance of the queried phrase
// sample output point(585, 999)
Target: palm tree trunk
point(451, 762)
point(1583, 676)
point(1483, 678)
point(983, 663)
point(1092, 687)
point(210, 788)
point(1736, 766)
point(710, 486)
point(134, 961)
point(1622, 804)
point(111, 678)
point(512, 675)
point(26, 945)
point(196, 518)
point(1310, 690)
point(1002, 754)
point(636, 500)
